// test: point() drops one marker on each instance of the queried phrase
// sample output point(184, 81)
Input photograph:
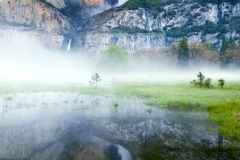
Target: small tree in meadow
point(201, 78)
point(221, 82)
point(201, 81)
point(207, 83)
point(91, 83)
point(95, 79)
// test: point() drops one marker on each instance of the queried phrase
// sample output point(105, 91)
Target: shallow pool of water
point(55, 125)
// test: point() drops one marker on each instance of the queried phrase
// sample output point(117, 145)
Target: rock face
point(199, 22)
point(93, 3)
point(98, 42)
point(180, 15)
point(54, 22)
point(50, 21)
point(57, 3)
point(25, 36)
point(33, 18)
point(34, 14)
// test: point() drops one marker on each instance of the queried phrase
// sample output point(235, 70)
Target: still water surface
point(55, 125)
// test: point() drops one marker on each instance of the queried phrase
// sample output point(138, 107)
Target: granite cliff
point(49, 21)
point(135, 29)
point(135, 25)
point(33, 18)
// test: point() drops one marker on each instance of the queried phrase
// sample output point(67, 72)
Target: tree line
point(179, 54)
point(206, 53)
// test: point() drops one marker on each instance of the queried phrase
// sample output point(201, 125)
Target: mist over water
point(29, 60)
point(41, 125)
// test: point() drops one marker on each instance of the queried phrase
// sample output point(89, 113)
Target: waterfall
point(69, 45)
point(132, 45)
point(125, 154)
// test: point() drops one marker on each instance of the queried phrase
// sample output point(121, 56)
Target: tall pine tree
point(183, 53)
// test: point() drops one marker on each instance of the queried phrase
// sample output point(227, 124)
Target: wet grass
point(223, 114)
point(159, 149)
point(8, 99)
point(115, 104)
point(220, 103)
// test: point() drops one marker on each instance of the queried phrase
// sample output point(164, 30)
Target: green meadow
point(223, 105)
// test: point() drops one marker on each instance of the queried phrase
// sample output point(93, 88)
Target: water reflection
point(71, 126)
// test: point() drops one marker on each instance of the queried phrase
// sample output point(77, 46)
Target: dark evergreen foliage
point(221, 82)
point(128, 30)
point(183, 53)
point(207, 28)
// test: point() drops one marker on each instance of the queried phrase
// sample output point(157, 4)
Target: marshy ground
point(175, 118)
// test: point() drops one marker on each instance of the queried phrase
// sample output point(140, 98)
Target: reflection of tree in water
point(95, 101)
point(220, 140)
point(5, 109)
point(111, 152)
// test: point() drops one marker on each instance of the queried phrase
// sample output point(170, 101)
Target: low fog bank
point(178, 76)
point(24, 62)
point(34, 62)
